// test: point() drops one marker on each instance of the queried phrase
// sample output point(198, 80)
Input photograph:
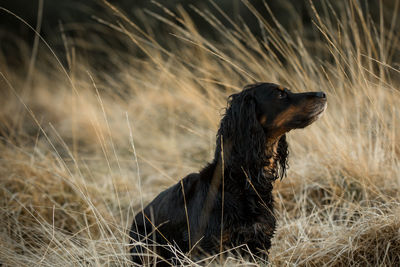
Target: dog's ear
point(282, 156)
point(246, 135)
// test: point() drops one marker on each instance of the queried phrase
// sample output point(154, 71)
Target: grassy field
point(82, 149)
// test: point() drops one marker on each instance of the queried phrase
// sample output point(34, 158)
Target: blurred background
point(86, 20)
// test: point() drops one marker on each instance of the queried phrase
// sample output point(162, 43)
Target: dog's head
point(258, 118)
point(278, 110)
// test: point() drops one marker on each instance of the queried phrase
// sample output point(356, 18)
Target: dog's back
point(164, 222)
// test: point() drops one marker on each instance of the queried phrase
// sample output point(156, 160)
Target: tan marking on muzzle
point(285, 116)
point(281, 119)
point(280, 87)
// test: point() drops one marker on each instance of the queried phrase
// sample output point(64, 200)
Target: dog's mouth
point(316, 113)
point(319, 110)
point(309, 115)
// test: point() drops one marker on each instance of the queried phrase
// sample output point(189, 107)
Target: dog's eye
point(282, 94)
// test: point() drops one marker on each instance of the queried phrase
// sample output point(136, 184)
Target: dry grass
point(81, 150)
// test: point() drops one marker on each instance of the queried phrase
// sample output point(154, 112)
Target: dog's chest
point(254, 224)
point(248, 208)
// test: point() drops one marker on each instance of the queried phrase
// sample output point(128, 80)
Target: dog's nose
point(320, 94)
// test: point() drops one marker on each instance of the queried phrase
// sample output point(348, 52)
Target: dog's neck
point(233, 168)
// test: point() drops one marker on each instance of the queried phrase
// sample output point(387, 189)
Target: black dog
point(229, 203)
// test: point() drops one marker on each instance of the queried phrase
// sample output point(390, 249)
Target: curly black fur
point(247, 139)
point(229, 203)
